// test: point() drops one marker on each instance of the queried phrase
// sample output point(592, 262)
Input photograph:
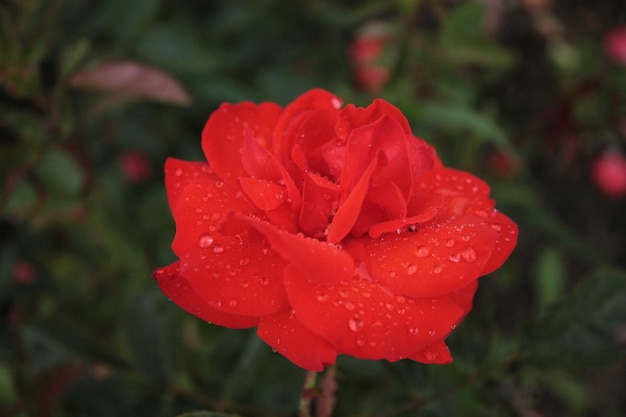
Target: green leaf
point(206, 414)
point(459, 118)
point(144, 332)
point(583, 329)
point(549, 277)
point(60, 172)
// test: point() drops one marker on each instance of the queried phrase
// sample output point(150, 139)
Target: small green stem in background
point(307, 394)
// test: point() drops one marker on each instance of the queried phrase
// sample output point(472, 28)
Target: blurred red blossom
point(23, 272)
point(615, 45)
point(608, 172)
point(369, 56)
point(135, 166)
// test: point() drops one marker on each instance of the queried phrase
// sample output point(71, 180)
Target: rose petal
point(229, 265)
point(320, 262)
point(179, 174)
point(395, 225)
point(181, 293)
point(224, 132)
point(352, 117)
point(296, 113)
point(431, 262)
point(203, 206)
point(236, 274)
point(264, 194)
point(436, 353)
point(319, 200)
point(365, 320)
point(349, 210)
point(284, 332)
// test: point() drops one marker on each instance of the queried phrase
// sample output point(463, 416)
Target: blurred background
point(530, 95)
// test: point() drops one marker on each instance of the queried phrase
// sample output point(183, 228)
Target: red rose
point(333, 230)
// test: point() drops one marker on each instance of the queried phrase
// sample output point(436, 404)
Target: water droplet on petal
point(431, 333)
point(233, 303)
point(455, 257)
point(205, 240)
point(414, 330)
point(437, 269)
point(469, 255)
point(453, 326)
point(450, 243)
point(355, 324)
point(218, 249)
point(360, 341)
point(431, 356)
point(422, 252)
point(322, 298)
point(411, 269)
point(178, 172)
point(344, 293)
point(496, 227)
point(264, 281)
point(349, 306)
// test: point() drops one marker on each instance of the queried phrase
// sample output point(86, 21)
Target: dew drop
point(264, 281)
point(389, 306)
point(360, 341)
point(469, 255)
point(349, 306)
point(437, 269)
point(414, 330)
point(411, 269)
point(321, 298)
point(205, 240)
point(496, 226)
point(218, 249)
point(431, 333)
point(422, 252)
point(355, 324)
point(233, 303)
point(455, 257)
point(392, 274)
point(453, 326)
point(244, 284)
point(431, 356)
point(344, 293)
point(178, 172)
point(450, 243)
point(244, 261)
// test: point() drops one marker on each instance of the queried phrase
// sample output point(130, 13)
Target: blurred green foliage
point(521, 93)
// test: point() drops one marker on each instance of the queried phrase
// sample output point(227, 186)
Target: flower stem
point(307, 394)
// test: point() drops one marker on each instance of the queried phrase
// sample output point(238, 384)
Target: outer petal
point(223, 135)
point(238, 274)
point(436, 353)
point(284, 332)
point(363, 319)
point(319, 262)
point(200, 202)
point(430, 262)
point(180, 292)
point(352, 117)
point(229, 265)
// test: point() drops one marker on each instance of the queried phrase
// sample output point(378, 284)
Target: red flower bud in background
point(135, 166)
point(608, 173)
point(23, 272)
point(615, 45)
point(369, 56)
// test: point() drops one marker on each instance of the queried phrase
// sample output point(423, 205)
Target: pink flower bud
point(608, 172)
point(135, 166)
point(615, 45)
